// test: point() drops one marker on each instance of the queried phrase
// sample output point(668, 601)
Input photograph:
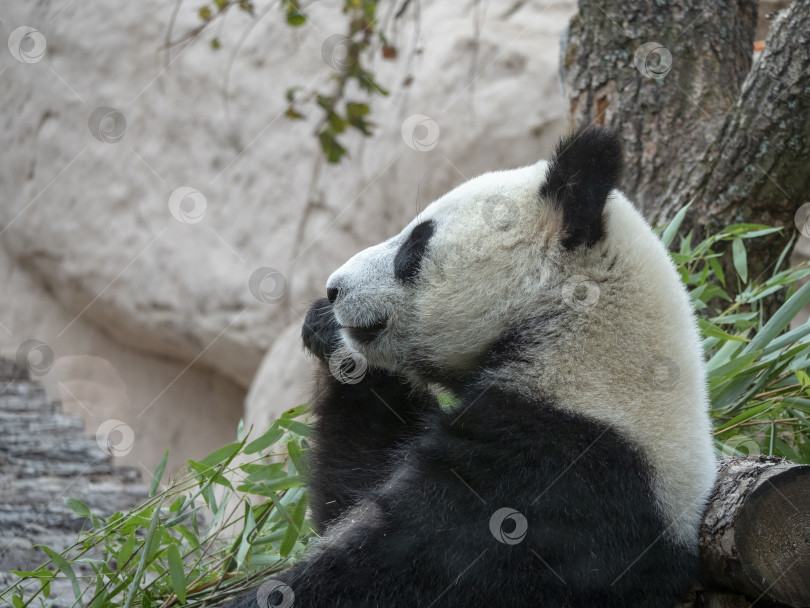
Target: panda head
point(547, 282)
point(484, 261)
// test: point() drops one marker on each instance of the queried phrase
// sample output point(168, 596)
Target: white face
point(484, 262)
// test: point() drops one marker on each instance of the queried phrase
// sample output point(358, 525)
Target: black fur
point(321, 332)
point(428, 485)
point(358, 425)
point(409, 257)
point(586, 166)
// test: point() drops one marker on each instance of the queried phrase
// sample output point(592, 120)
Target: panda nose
point(331, 294)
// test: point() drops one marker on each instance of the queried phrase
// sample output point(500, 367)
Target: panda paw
point(321, 331)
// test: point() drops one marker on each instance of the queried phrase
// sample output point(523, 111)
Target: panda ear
point(586, 166)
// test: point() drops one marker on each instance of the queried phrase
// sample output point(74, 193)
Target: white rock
point(91, 220)
point(163, 402)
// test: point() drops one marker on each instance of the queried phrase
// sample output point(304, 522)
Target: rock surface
point(87, 191)
point(164, 401)
point(45, 456)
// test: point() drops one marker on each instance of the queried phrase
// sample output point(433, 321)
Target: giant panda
point(571, 466)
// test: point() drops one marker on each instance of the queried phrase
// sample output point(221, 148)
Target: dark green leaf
point(265, 441)
point(158, 475)
point(740, 258)
point(177, 573)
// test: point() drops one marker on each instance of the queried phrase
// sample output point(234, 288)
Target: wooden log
point(755, 538)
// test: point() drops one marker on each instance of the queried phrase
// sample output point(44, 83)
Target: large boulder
point(146, 186)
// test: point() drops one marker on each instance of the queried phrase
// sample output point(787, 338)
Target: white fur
point(485, 271)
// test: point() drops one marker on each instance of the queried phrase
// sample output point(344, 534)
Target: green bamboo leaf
point(265, 441)
point(718, 270)
point(244, 545)
point(781, 319)
point(158, 475)
point(297, 457)
point(711, 330)
point(192, 539)
point(221, 455)
point(295, 412)
point(740, 258)
point(733, 367)
point(788, 248)
point(294, 531)
point(672, 228)
point(746, 415)
point(65, 568)
point(295, 427)
point(761, 232)
point(147, 543)
point(177, 573)
point(78, 507)
point(125, 552)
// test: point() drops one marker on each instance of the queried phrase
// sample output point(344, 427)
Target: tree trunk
point(755, 538)
point(697, 122)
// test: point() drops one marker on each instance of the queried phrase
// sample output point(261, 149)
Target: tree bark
point(733, 140)
point(755, 538)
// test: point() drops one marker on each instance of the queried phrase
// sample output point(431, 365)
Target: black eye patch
point(409, 257)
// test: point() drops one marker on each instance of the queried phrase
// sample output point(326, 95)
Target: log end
point(772, 537)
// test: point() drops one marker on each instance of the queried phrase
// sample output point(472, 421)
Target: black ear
point(586, 166)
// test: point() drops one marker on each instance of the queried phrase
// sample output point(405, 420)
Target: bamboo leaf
point(158, 475)
point(781, 319)
point(177, 573)
point(265, 441)
point(672, 228)
point(65, 568)
point(740, 258)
